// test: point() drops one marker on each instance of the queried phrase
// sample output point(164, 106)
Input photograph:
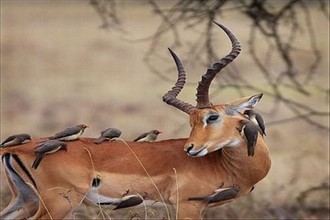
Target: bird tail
point(99, 140)
point(37, 161)
point(251, 147)
point(250, 151)
point(196, 198)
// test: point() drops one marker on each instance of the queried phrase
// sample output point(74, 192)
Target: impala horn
point(170, 96)
point(203, 86)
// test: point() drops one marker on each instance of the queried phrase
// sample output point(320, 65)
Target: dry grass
point(59, 69)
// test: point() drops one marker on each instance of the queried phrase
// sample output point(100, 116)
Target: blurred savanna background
point(105, 63)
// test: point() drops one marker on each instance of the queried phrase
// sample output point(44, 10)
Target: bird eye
point(212, 118)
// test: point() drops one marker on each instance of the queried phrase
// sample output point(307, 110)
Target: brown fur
point(71, 173)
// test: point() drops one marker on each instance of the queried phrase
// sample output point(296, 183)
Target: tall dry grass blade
point(145, 206)
point(152, 181)
point(95, 174)
point(83, 198)
point(41, 200)
point(177, 194)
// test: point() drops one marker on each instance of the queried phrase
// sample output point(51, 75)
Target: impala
point(212, 161)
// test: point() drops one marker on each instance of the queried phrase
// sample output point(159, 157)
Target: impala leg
point(25, 201)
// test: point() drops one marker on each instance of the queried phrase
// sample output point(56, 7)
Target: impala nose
point(189, 147)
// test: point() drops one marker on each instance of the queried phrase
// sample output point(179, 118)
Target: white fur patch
point(234, 143)
point(228, 143)
point(198, 153)
point(93, 199)
point(221, 145)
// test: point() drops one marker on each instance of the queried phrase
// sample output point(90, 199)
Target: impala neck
point(241, 167)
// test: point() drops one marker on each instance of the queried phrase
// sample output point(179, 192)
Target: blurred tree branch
point(277, 23)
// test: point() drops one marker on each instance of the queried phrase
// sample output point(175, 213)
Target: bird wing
point(37, 161)
point(251, 134)
point(10, 138)
point(261, 123)
point(106, 131)
point(67, 132)
point(49, 147)
point(99, 140)
point(141, 136)
point(129, 201)
point(223, 194)
point(219, 195)
point(112, 133)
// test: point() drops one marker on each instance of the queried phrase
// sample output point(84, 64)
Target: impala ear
point(242, 104)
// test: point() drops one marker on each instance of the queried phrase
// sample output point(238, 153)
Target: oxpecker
point(70, 134)
point(108, 134)
point(14, 140)
point(257, 119)
point(150, 136)
point(249, 131)
point(48, 147)
point(130, 200)
point(219, 195)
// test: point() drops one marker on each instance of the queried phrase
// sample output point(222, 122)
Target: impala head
point(213, 126)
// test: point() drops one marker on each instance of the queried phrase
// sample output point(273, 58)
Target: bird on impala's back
point(47, 147)
point(108, 134)
point(150, 136)
point(69, 134)
point(15, 140)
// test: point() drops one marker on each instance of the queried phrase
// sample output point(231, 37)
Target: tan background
point(58, 69)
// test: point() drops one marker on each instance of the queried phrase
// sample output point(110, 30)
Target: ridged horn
point(203, 86)
point(170, 96)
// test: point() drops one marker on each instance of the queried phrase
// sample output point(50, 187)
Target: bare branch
point(279, 24)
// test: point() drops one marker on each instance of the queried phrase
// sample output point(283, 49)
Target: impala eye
point(212, 118)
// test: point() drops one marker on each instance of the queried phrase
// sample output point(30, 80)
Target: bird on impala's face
point(257, 119)
point(249, 132)
point(108, 134)
point(219, 195)
point(69, 134)
point(15, 140)
point(48, 147)
point(150, 136)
